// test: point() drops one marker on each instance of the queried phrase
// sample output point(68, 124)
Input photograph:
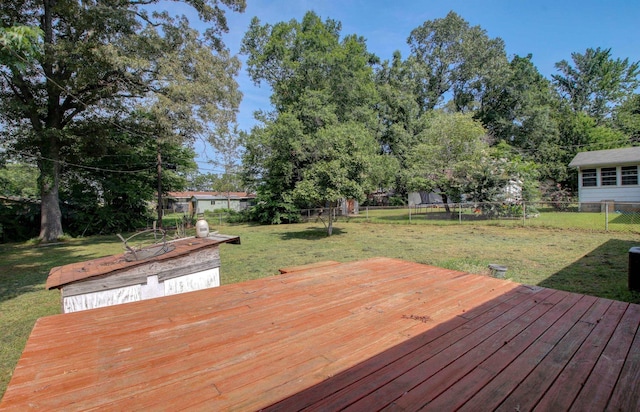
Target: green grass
point(545, 218)
point(580, 261)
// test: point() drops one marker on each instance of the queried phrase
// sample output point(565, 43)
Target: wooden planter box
point(192, 264)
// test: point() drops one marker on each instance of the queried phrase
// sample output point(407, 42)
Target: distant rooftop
point(203, 194)
point(627, 155)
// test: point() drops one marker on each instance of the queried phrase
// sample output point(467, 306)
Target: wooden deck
point(378, 334)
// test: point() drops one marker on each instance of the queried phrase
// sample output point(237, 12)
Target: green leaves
point(319, 145)
point(99, 63)
point(450, 141)
point(596, 81)
point(453, 57)
point(20, 45)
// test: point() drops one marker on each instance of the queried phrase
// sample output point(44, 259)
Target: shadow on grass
point(603, 272)
point(626, 219)
point(24, 268)
point(311, 233)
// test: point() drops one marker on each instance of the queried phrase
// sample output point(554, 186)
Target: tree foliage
point(499, 176)
point(538, 125)
point(451, 141)
point(627, 118)
point(20, 45)
point(100, 61)
point(19, 180)
point(452, 57)
point(317, 145)
point(116, 176)
point(95, 93)
point(596, 82)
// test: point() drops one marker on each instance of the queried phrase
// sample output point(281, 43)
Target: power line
point(64, 163)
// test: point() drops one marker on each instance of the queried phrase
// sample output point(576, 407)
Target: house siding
point(616, 193)
point(210, 205)
point(619, 192)
point(623, 197)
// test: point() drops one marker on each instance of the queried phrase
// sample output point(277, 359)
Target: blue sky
point(549, 30)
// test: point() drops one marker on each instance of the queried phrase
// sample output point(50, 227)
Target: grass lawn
point(544, 217)
point(575, 260)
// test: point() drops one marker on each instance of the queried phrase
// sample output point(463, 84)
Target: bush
point(19, 220)
point(560, 198)
point(239, 217)
point(229, 215)
point(497, 210)
point(271, 212)
point(397, 201)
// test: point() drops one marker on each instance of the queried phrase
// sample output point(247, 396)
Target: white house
point(608, 176)
point(237, 201)
point(199, 202)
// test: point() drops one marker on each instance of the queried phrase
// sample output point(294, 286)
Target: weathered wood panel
point(192, 282)
point(101, 299)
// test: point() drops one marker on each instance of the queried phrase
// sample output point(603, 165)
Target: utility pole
point(159, 169)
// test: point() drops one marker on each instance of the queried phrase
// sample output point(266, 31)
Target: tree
point(200, 182)
point(454, 58)
point(450, 142)
point(488, 179)
point(19, 179)
point(597, 83)
point(519, 110)
point(523, 111)
point(108, 181)
point(627, 118)
point(19, 45)
point(99, 62)
point(314, 148)
point(229, 157)
point(399, 119)
point(339, 158)
point(384, 171)
point(270, 168)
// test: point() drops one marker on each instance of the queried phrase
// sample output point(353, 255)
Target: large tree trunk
point(51, 217)
point(49, 164)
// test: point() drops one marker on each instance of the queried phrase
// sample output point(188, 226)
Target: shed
point(188, 264)
point(608, 176)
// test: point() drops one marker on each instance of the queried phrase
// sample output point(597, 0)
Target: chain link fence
point(597, 216)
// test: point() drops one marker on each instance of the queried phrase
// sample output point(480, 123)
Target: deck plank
point(378, 370)
point(599, 386)
point(568, 384)
point(530, 390)
point(470, 384)
point(364, 335)
point(435, 375)
point(507, 380)
point(622, 398)
point(484, 370)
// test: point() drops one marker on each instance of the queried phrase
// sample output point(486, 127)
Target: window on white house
point(629, 175)
point(609, 176)
point(589, 178)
